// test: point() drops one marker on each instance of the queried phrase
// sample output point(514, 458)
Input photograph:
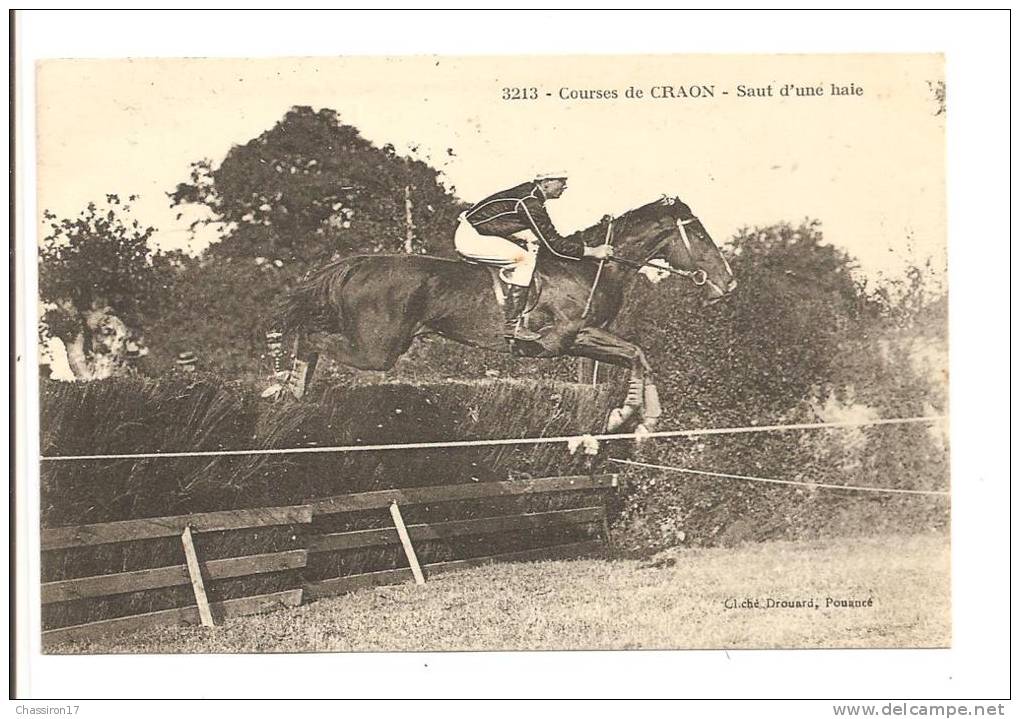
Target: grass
point(676, 601)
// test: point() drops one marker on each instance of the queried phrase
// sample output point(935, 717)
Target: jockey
point(505, 230)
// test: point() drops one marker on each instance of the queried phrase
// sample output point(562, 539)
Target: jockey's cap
point(551, 176)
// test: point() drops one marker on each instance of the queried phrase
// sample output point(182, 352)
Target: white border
point(977, 51)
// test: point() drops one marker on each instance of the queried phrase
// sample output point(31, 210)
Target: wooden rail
point(135, 529)
point(458, 528)
point(459, 492)
point(189, 573)
point(106, 585)
point(195, 571)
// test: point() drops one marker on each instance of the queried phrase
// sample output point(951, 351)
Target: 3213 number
point(520, 93)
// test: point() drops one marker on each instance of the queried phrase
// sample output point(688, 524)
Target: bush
point(799, 341)
point(663, 509)
point(182, 413)
point(129, 416)
point(132, 415)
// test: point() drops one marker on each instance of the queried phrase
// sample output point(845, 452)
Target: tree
point(311, 188)
point(802, 339)
point(764, 348)
point(102, 282)
point(308, 190)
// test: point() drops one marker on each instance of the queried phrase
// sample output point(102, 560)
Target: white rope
point(499, 442)
point(817, 485)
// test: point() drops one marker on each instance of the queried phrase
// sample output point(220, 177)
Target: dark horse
point(366, 310)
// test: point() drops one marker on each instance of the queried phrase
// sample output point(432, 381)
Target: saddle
point(500, 289)
point(499, 286)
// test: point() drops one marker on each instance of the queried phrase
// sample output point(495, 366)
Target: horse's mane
point(651, 211)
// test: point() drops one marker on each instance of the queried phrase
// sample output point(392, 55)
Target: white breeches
point(517, 264)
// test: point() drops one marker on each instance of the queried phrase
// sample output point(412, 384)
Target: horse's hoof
point(619, 417)
point(641, 432)
point(272, 391)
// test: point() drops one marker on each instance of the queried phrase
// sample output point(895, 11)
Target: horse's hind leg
point(348, 352)
point(371, 345)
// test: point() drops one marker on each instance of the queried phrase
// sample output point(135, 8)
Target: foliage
point(203, 412)
point(801, 340)
point(761, 350)
point(215, 311)
point(306, 191)
point(100, 258)
point(311, 188)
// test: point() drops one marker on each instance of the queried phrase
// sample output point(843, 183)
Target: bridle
point(698, 277)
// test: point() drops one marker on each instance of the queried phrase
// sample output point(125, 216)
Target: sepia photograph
point(518, 353)
point(440, 354)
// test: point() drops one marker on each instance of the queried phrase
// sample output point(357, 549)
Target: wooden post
point(607, 537)
point(195, 571)
point(587, 371)
point(408, 221)
point(405, 541)
point(584, 370)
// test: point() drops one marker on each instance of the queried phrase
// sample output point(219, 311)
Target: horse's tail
point(307, 305)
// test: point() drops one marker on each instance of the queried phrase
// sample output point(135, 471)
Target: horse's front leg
point(603, 346)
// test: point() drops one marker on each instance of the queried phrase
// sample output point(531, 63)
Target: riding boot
point(513, 307)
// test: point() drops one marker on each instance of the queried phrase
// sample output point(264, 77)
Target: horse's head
point(685, 245)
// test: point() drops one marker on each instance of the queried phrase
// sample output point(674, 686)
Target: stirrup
point(521, 333)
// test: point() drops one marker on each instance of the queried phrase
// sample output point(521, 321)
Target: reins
point(698, 277)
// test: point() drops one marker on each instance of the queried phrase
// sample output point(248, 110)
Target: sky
point(870, 167)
